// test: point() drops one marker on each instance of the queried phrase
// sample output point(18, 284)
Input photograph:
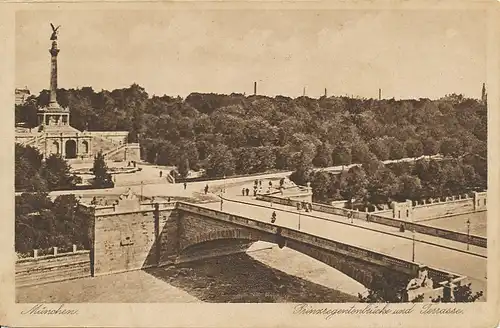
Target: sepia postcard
point(250, 164)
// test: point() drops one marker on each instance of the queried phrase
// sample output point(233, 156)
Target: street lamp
point(142, 189)
point(468, 233)
point(413, 246)
point(221, 201)
point(299, 220)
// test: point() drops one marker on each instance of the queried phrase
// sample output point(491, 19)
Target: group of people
point(305, 205)
point(257, 188)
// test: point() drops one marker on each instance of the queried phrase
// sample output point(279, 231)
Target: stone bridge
point(153, 235)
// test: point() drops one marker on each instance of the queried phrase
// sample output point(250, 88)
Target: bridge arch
point(231, 234)
point(219, 241)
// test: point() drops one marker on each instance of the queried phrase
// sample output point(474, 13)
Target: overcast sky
point(409, 54)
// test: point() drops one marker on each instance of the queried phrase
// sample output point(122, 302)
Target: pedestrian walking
point(243, 192)
point(206, 189)
point(247, 191)
point(402, 227)
point(273, 217)
point(161, 174)
point(185, 185)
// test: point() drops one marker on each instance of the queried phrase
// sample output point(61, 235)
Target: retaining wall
point(52, 268)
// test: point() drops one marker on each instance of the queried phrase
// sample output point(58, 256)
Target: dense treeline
point(374, 183)
point(228, 134)
point(41, 223)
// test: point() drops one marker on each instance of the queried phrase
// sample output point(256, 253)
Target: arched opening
point(85, 146)
point(55, 148)
point(70, 149)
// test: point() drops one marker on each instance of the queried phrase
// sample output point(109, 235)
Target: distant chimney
point(325, 93)
point(255, 88)
point(304, 92)
point(483, 94)
point(379, 94)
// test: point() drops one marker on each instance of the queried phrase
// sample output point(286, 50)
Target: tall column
point(53, 74)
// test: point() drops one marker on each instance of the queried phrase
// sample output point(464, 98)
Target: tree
point(56, 172)
point(450, 147)
point(409, 187)
point(462, 294)
point(386, 288)
point(397, 150)
point(382, 187)
point(323, 155)
point(102, 179)
point(41, 223)
point(183, 167)
point(430, 147)
point(414, 148)
point(379, 149)
point(28, 162)
point(356, 183)
point(220, 162)
point(320, 183)
point(342, 155)
point(360, 152)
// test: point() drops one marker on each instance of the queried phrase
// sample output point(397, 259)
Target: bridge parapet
point(361, 254)
point(475, 240)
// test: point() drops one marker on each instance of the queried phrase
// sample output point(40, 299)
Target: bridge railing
point(359, 253)
point(393, 222)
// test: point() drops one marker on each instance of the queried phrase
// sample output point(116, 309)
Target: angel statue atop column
point(55, 31)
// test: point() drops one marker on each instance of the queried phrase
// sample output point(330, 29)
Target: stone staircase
point(105, 144)
point(33, 140)
point(114, 151)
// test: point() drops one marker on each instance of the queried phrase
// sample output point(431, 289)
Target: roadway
point(432, 251)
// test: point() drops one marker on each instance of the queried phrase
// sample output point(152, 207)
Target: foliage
point(41, 223)
point(392, 290)
point(56, 172)
point(386, 288)
point(102, 179)
point(462, 294)
point(28, 162)
point(376, 184)
point(183, 167)
point(277, 131)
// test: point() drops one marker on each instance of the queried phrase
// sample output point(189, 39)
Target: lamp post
point(413, 246)
point(299, 220)
point(221, 201)
point(224, 182)
point(468, 233)
point(142, 189)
